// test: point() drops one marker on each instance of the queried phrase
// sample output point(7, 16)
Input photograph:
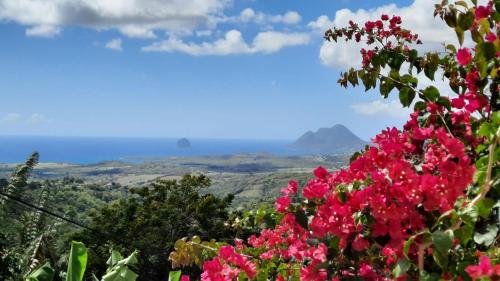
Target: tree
point(152, 220)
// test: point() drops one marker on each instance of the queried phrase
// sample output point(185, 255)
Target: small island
point(183, 143)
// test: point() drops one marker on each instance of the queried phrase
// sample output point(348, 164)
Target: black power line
point(106, 235)
point(18, 200)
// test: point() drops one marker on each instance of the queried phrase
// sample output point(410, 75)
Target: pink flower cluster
point(383, 30)
point(394, 184)
point(484, 270)
point(220, 268)
point(354, 222)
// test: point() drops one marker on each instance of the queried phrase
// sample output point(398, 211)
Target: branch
point(484, 191)
point(422, 94)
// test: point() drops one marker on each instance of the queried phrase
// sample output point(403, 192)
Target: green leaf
point(476, 36)
point(407, 245)
point(121, 271)
point(488, 237)
point(77, 262)
point(386, 86)
point(482, 66)
point(479, 176)
point(469, 214)
point(495, 117)
point(486, 51)
point(431, 93)
point(431, 66)
point(406, 96)
point(485, 207)
point(353, 78)
point(43, 273)
point(464, 234)
point(114, 258)
point(465, 20)
point(425, 276)
point(485, 130)
point(419, 105)
point(444, 102)
point(174, 275)
point(451, 18)
point(452, 48)
point(441, 259)
point(462, 3)
point(401, 267)
point(442, 241)
point(460, 35)
point(395, 61)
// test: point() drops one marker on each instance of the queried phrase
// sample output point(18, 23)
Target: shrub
point(422, 202)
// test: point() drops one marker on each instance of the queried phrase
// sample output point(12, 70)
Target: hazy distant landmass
point(90, 150)
point(183, 143)
point(337, 139)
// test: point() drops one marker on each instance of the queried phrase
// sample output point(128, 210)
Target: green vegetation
point(40, 218)
point(152, 220)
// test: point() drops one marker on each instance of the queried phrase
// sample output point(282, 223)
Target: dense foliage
point(152, 220)
point(29, 236)
point(422, 202)
point(148, 219)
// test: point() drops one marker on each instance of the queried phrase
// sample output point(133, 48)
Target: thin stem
point(420, 92)
point(214, 249)
point(484, 191)
point(421, 252)
point(488, 182)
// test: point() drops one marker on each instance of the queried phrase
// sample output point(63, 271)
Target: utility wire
point(18, 200)
point(22, 202)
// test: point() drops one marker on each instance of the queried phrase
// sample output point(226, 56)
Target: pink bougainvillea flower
point(458, 102)
point(321, 173)
point(315, 190)
point(282, 203)
point(483, 11)
point(291, 189)
point(184, 278)
point(464, 57)
point(483, 270)
point(360, 244)
point(491, 37)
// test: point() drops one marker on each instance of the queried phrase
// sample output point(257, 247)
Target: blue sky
point(195, 68)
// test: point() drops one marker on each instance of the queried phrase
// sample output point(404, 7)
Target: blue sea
point(88, 150)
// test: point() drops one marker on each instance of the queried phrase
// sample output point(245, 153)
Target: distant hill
point(183, 143)
point(337, 139)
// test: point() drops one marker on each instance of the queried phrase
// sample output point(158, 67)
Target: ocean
point(89, 150)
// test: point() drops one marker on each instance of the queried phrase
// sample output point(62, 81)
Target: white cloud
point(114, 44)
point(150, 19)
point(392, 109)
point(291, 17)
point(202, 33)
point(134, 18)
point(232, 43)
point(38, 118)
point(11, 117)
point(321, 24)
point(249, 15)
point(432, 31)
point(47, 31)
point(272, 41)
point(137, 31)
